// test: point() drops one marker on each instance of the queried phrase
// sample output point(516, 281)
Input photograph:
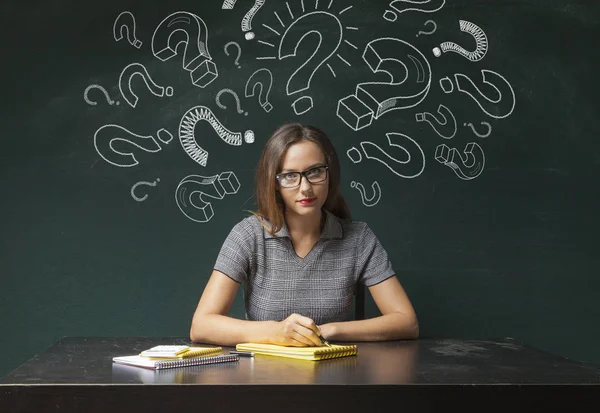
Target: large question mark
point(128, 73)
point(432, 30)
point(410, 80)
point(126, 22)
point(91, 102)
point(467, 168)
point(445, 127)
point(238, 54)
point(235, 96)
point(494, 107)
point(191, 190)
point(184, 27)
point(247, 20)
point(188, 139)
point(264, 79)
point(481, 135)
point(106, 136)
point(400, 6)
point(321, 24)
point(369, 202)
point(481, 43)
point(133, 188)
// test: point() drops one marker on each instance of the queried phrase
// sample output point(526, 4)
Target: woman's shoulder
point(353, 228)
point(250, 225)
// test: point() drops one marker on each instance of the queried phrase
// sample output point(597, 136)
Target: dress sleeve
point(373, 260)
point(235, 255)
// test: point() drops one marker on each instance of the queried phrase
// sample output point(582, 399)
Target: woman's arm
point(397, 322)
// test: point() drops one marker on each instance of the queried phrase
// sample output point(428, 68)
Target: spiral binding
point(196, 361)
point(334, 352)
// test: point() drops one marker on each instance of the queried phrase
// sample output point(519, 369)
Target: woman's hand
point(297, 331)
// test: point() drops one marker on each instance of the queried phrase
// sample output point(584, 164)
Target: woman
point(300, 257)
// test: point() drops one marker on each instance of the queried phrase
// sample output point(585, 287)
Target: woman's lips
point(307, 201)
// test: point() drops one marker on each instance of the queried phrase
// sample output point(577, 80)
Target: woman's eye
point(313, 172)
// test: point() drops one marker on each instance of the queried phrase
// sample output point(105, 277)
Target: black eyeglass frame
point(303, 174)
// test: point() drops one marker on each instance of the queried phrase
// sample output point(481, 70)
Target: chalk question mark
point(127, 75)
point(369, 202)
point(238, 54)
point(401, 6)
point(133, 188)
point(429, 32)
point(189, 29)
point(445, 127)
point(91, 102)
point(247, 20)
point(466, 168)
point(481, 43)
point(235, 96)
point(481, 135)
point(126, 22)
point(262, 78)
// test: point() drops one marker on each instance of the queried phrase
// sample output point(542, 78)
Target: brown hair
point(270, 205)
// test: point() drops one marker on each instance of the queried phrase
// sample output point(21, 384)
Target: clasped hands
point(297, 330)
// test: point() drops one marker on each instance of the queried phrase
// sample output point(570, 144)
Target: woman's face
point(307, 198)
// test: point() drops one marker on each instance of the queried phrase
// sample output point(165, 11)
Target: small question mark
point(264, 79)
point(91, 102)
point(142, 183)
point(238, 55)
point(481, 42)
point(193, 188)
point(126, 21)
point(400, 6)
point(369, 202)
point(430, 32)
point(447, 122)
point(188, 139)
point(467, 168)
point(496, 108)
point(196, 58)
point(128, 73)
point(106, 136)
point(484, 135)
point(237, 100)
point(247, 20)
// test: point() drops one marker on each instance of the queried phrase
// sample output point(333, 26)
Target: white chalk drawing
point(432, 31)
point(466, 168)
point(134, 187)
point(410, 80)
point(228, 4)
point(235, 96)
point(189, 29)
point(247, 20)
point(372, 201)
point(354, 155)
point(126, 22)
point(263, 79)
point(94, 103)
point(128, 143)
point(188, 139)
point(445, 127)
point(401, 6)
point(324, 25)
point(406, 158)
point(500, 107)
point(481, 135)
point(481, 43)
point(193, 190)
point(127, 75)
point(239, 53)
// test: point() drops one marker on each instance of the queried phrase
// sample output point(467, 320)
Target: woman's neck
point(300, 226)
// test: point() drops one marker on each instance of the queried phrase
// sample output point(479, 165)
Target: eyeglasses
point(312, 175)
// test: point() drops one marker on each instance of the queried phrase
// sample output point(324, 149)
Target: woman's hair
point(270, 205)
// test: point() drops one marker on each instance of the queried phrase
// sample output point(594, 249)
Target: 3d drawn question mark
point(189, 29)
point(238, 54)
point(126, 22)
point(499, 107)
point(188, 139)
point(91, 102)
point(247, 20)
point(429, 32)
point(262, 78)
point(401, 6)
point(406, 160)
point(127, 75)
point(481, 135)
point(107, 136)
point(410, 79)
point(467, 168)
point(235, 96)
point(133, 188)
point(369, 202)
point(445, 127)
point(192, 190)
point(481, 43)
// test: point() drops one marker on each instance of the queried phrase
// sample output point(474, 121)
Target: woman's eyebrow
point(310, 167)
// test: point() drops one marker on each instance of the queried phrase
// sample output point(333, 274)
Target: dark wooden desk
point(77, 375)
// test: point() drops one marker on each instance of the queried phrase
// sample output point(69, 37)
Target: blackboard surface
point(467, 131)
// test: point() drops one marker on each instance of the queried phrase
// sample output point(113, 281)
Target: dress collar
point(332, 228)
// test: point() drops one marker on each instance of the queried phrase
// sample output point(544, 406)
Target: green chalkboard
point(467, 131)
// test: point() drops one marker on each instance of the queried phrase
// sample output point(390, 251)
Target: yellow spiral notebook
point(303, 353)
